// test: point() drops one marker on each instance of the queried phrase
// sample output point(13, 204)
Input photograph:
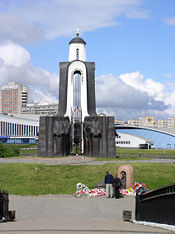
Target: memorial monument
point(77, 125)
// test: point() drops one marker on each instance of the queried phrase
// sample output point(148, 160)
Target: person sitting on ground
point(108, 182)
point(116, 185)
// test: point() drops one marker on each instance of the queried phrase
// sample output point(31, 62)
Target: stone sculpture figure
point(99, 135)
point(92, 130)
point(61, 129)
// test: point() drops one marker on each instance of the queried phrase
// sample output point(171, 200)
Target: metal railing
point(5, 214)
point(157, 206)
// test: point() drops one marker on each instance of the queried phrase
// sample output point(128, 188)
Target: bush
point(12, 151)
point(2, 151)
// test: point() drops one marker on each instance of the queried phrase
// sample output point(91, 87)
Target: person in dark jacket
point(108, 182)
point(116, 185)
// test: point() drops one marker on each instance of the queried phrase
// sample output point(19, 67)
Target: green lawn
point(22, 145)
point(36, 179)
point(145, 151)
point(126, 153)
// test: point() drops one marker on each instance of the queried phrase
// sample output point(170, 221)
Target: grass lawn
point(145, 151)
point(31, 150)
point(22, 145)
point(37, 179)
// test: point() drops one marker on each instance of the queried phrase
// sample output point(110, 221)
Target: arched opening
point(123, 179)
point(77, 90)
point(77, 113)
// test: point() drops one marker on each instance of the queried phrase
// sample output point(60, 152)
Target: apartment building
point(13, 96)
point(151, 122)
point(133, 122)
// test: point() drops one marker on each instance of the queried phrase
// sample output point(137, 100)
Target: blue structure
point(18, 129)
point(164, 139)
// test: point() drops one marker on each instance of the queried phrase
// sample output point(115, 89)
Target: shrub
point(12, 151)
point(2, 151)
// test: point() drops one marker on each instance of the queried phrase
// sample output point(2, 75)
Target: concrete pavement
point(78, 160)
point(67, 214)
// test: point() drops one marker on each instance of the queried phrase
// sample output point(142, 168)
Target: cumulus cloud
point(23, 21)
point(15, 65)
point(13, 55)
point(136, 80)
point(129, 95)
point(38, 96)
point(169, 100)
point(124, 99)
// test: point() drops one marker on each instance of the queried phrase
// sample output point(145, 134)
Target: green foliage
point(22, 146)
point(2, 151)
point(38, 179)
point(12, 151)
point(29, 152)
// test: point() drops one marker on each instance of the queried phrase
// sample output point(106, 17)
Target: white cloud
point(43, 97)
point(23, 21)
point(18, 29)
point(125, 100)
point(13, 55)
point(15, 65)
point(170, 21)
point(127, 96)
point(123, 93)
point(136, 80)
point(170, 100)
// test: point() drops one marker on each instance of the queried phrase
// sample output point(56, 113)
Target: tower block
point(77, 128)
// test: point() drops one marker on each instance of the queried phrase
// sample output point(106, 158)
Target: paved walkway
point(77, 160)
point(67, 214)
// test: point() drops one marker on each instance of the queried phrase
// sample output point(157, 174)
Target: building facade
point(124, 140)
point(40, 109)
point(18, 129)
point(163, 138)
point(13, 97)
point(151, 122)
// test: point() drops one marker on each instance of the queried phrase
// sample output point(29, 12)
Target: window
point(77, 54)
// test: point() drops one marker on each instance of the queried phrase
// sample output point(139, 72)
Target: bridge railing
point(156, 206)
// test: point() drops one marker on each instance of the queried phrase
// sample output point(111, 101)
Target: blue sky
point(132, 43)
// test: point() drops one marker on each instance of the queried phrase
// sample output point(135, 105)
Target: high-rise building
point(13, 97)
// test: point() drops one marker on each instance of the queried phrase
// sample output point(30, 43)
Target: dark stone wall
point(54, 136)
point(63, 88)
point(91, 103)
point(99, 136)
